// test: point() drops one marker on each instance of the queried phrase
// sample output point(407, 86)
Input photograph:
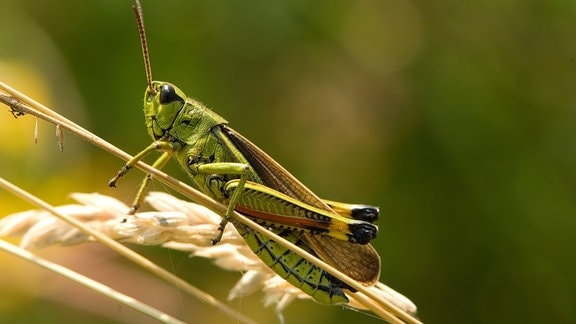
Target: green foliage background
point(456, 118)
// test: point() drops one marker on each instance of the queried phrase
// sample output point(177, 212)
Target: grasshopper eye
point(168, 94)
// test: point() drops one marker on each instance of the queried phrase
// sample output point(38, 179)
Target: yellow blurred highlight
point(18, 134)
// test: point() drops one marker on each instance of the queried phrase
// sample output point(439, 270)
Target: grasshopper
point(229, 168)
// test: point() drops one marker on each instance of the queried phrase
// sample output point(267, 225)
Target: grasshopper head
point(162, 103)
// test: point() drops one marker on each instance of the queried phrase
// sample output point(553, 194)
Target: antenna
point(140, 21)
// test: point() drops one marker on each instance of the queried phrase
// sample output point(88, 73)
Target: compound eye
point(168, 94)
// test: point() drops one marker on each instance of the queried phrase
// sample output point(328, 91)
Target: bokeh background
point(457, 118)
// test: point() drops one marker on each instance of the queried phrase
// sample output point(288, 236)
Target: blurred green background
point(457, 118)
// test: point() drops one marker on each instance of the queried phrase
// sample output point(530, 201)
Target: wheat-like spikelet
point(175, 224)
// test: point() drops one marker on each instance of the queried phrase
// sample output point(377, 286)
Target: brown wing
point(272, 174)
point(360, 262)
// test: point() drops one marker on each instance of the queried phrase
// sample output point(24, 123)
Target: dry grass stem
point(89, 283)
point(160, 229)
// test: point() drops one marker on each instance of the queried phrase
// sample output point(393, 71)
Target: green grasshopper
point(227, 167)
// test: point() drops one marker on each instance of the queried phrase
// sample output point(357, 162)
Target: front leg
point(165, 146)
point(158, 164)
